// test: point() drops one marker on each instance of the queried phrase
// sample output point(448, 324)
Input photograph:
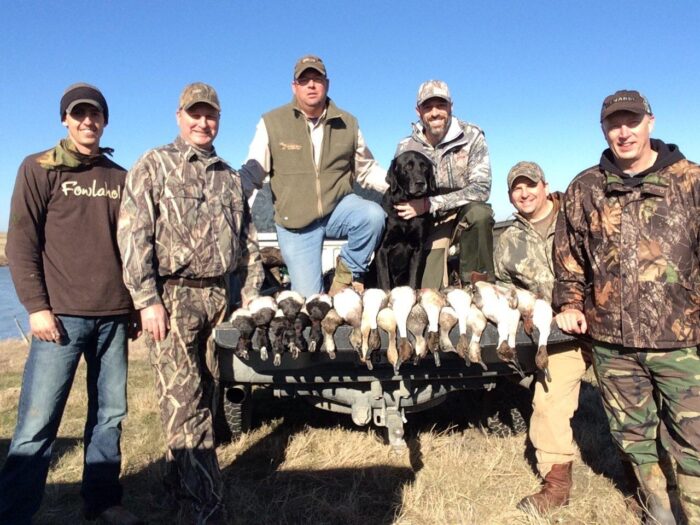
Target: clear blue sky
point(531, 74)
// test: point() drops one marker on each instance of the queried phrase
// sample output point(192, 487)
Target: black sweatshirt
point(61, 242)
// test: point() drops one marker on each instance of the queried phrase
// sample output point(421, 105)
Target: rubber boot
point(554, 492)
point(655, 493)
point(690, 496)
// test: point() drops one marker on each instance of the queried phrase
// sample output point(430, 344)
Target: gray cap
point(82, 93)
point(433, 89)
point(527, 169)
point(199, 92)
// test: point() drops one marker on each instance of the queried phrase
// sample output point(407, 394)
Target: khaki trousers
point(554, 404)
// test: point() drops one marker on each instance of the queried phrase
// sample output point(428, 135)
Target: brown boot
point(554, 493)
point(343, 279)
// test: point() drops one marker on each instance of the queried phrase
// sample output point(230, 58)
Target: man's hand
point(45, 326)
point(572, 321)
point(155, 321)
point(412, 208)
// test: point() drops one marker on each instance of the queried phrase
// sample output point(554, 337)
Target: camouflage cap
point(527, 169)
point(199, 92)
point(433, 89)
point(82, 93)
point(309, 62)
point(625, 100)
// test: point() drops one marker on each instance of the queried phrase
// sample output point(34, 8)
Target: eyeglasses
point(303, 81)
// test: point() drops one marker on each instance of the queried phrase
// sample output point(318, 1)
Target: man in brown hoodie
point(65, 264)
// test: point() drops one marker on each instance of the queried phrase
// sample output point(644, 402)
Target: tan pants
point(554, 405)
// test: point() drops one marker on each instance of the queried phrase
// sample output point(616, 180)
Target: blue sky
point(532, 74)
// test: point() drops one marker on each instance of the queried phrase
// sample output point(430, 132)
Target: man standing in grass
point(63, 256)
point(184, 225)
point(523, 257)
point(627, 266)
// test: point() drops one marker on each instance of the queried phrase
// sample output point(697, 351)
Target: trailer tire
point(506, 410)
point(234, 415)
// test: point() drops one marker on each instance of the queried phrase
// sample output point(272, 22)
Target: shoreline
point(3, 240)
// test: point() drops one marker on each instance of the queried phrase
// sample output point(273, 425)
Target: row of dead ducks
point(276, 325)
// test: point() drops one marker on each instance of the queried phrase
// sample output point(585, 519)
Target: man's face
point(628, 134)
point(199, 125)
point(529, 198)
point(310, 90)
point(85, 126)
point(435, 114)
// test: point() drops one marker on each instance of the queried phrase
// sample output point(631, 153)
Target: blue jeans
point(359, 220)
point(47, 380)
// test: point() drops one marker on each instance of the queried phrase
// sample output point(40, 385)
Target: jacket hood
point(667, 154)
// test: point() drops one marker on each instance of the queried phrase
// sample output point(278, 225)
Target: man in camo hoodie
point(627, 266)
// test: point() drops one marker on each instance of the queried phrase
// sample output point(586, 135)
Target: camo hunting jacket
point(626, 255)
point(183, 214)
point(462, 164)
point(522, 257)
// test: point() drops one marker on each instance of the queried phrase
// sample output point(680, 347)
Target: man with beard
point(463, 178)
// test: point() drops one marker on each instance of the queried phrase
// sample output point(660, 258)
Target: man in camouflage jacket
point(184, 224)
point(523, 257)
point(463, 176)
point(627, 264)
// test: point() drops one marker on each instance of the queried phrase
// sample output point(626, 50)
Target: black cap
point(82, 93)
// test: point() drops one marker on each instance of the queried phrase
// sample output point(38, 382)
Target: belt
point(204, 282)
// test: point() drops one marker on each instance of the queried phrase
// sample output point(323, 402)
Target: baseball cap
point(309, 62)
point(82, 93)
point(527, 169)
point(199, 92)
point(625, 100)
point(433, 89)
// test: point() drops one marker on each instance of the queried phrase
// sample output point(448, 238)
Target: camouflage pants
point(631, 380)
point(186, 369)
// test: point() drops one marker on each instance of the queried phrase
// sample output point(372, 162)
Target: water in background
point(10, 308)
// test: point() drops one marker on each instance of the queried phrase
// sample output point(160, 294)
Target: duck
point(432, 302)
point(317, 306)
point(329, 325)
point(278, 333)
point(416, 323)
point(476, 322)
point(461, 300)
point(348, 304)
point(242, 321)
point(373, 300)
point(386, 320)
point(291, 303)
point(446, 322)
point(262, 310)
point(401, 300)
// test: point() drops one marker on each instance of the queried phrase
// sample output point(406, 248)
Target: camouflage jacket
point(522, 257)
point(626, 252)
point(183, 214)
point(463, 168)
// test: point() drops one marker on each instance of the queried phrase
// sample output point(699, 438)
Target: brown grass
point(301, 465)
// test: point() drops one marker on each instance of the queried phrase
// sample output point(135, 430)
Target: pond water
point(10, 308)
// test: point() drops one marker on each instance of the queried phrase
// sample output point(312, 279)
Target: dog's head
point(410, 176)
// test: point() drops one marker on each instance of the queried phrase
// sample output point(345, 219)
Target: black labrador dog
point(401, 254)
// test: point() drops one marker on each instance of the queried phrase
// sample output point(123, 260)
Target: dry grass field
point(302, 466)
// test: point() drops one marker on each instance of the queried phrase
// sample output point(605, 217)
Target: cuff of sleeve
point(145, 299)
